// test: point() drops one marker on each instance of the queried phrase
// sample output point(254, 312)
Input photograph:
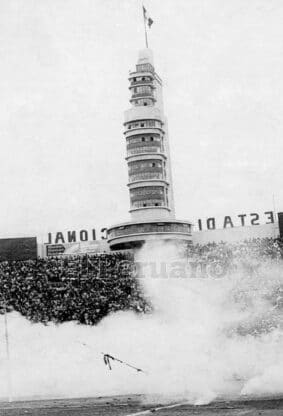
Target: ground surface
point(135, 405)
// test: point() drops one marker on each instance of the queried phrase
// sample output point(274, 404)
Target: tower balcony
point(148, 169)
point(141, 82)
point(135, 234)
point(146, 179)
point(143, 99)
point(150, 211)
point(135, 75)
point(144, 144)
point(142, 95)
point(138, 130)
point(141, 153)
point(154, 131)
point(146, 163)
point(175, 226)
point(150, 192)
point(154, 197)
point(147, 72)
point(150, 173)
point(161, 183)
point(139, 174)
point(149, 144)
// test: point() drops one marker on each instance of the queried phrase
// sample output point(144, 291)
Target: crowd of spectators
point(59, 289)
point(87, 288)
point(247, 255)
point(258, 263)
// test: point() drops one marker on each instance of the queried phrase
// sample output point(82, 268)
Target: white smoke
point(206, 338)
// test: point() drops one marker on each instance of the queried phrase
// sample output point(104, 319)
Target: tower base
point(132, 235)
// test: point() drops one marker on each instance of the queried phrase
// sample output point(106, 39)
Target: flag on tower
point(147, 19)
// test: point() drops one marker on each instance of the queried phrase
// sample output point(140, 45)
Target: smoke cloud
point(206, 338)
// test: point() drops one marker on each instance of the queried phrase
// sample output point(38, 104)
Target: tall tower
point(148, 156)
point(149, 166)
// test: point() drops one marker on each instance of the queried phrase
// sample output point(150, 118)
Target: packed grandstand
point(88, 288)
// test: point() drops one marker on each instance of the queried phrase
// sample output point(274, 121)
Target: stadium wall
point(236, 233)
point(22, 248)
point(28, 248)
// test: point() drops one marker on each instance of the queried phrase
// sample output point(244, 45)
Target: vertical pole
point(145, 31)
point(8, 355)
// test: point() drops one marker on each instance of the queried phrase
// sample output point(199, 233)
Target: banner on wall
point(69, 249)
point(76, 236)
point(240, 220)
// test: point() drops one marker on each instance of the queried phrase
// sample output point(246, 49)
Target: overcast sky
point(64, 88)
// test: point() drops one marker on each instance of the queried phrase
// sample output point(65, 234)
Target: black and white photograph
point(141, 214)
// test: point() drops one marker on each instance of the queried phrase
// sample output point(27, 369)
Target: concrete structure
point(148, 158)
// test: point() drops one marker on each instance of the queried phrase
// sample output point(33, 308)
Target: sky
point(64, 89)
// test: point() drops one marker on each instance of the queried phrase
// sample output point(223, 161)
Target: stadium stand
point(84, 289)
point(247, 255)
point(87, 288)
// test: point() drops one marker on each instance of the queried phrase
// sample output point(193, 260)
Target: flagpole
point(145, 31)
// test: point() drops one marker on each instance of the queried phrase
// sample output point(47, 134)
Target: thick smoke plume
point(206, 338)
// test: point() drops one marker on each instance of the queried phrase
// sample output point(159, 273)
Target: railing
point(145, 169)
point(142, 94)
point(150, 228)
point(137, 130)
point(141, 150)
point(144, 82)
point(143, 144)
point(136, 198)
point(145, 176)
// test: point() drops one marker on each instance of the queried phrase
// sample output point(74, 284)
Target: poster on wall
point(68, 249)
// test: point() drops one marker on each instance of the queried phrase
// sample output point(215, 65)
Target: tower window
point(134, 79)
point(144, 205)
point(151, 139)
point(144, 103)
point(153, 164)
point(143, 139)
point(142, 124)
